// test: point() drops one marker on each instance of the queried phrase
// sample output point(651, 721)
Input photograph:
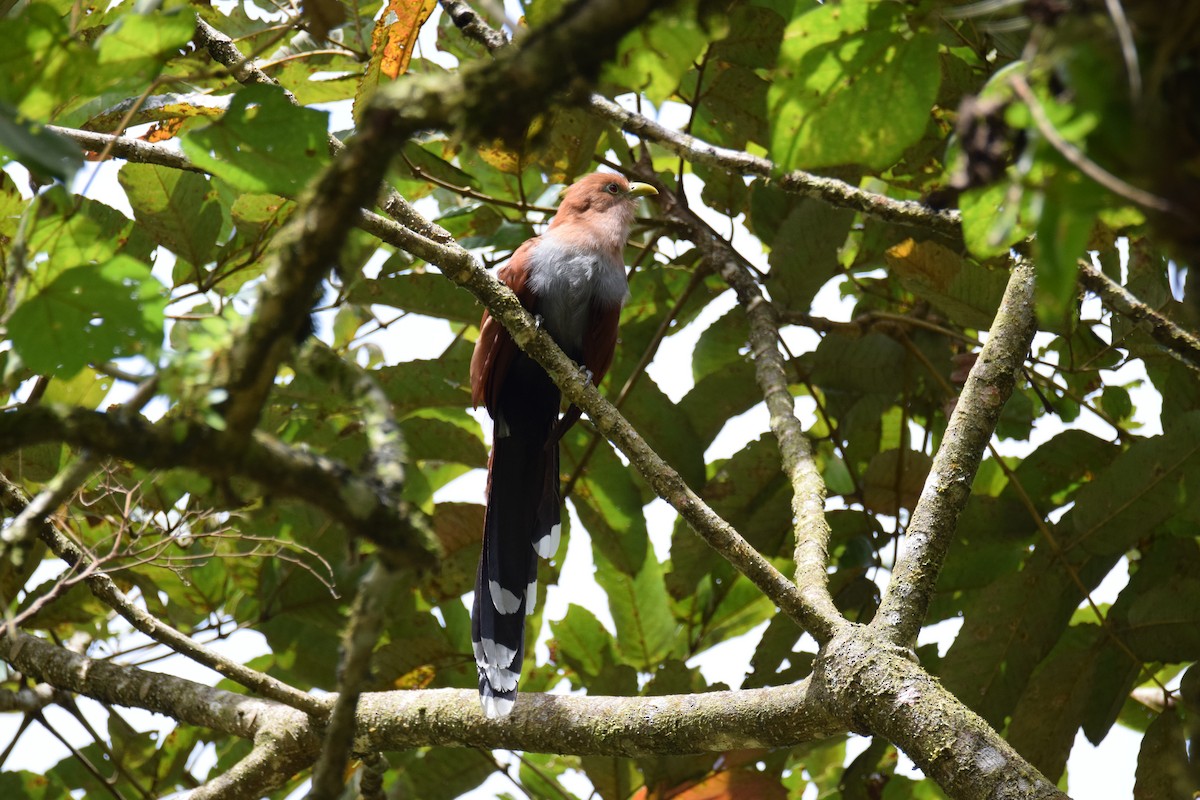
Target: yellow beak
point(641, 190)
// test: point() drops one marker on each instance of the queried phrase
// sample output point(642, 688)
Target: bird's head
point(601, 200)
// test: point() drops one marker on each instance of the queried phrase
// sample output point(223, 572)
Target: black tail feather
point(522, 520)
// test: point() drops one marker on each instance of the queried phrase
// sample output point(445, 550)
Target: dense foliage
point(1051, 132)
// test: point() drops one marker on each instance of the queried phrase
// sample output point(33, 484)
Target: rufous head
point(601, 196)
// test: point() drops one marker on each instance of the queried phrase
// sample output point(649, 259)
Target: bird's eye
point(612, 188)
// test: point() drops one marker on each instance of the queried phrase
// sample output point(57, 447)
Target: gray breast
point(567, 281)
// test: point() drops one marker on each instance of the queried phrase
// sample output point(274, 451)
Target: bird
point(572, 279)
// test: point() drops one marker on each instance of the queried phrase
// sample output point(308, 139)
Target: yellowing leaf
point(392, 45)
point(397, 32)
point(926, 262)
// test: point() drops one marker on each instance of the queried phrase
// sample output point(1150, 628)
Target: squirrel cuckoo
point(572, 278)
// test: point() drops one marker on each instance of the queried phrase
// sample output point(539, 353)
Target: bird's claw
point(586, 374)
point(537, 322)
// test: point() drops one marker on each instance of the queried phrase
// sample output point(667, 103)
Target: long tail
point(522, 522)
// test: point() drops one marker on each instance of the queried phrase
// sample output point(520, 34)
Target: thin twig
point(1084, 164)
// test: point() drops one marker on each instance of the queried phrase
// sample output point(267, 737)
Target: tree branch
point(856, 680)
point(881, 689)
point(270, 764)
point(778, 716)
point(103, 587)
point(128, 148)
point(357, 503)
point(989, 385)
point(1181, 343)
point(28, 699)
point(821, 617)
point(184, 700)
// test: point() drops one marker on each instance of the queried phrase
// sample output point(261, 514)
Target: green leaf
point(262, 143)
point(852, 87)
point(872, 364)
point(966, 291)
point(718, 397)
point(90, 314)
point(804, 256)
point(1139, 492)
point(733, 107)
point(613, 778)
point(421, 292)
point(995, 217)
point(723, 343)
point(653, 58)
point(135, 39)
point(179, 209)
point(894, 480)
point(428, 383)
point(1164, 771)
point(1062, 690)
point(81, 231)
point(1062, 235)
point(439, 440)
point(42, 64)
point(442, 773)
point(776, 645)
point(668, 432)
point(1010, 626)
point(609, 504)
point(1158, 613)
point(581, 642)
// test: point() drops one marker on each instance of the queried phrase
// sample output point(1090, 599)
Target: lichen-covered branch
point(948, 486)
point(882, 689)
point(821, 617)
point(269, 765)
point(1178, 341)
point(858, 682)
point(347, 497)
point(104, 680)
point(128, 148)
point(569, 724)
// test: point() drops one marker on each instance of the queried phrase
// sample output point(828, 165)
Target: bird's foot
point(538, 321)
point(586, 374)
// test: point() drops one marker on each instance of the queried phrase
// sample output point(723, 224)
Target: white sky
point(1104, 771)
